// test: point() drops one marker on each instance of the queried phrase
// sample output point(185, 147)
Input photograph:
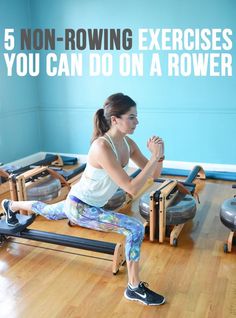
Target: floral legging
point(97, 219)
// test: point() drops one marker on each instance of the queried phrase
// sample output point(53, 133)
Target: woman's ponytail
point(100, 124)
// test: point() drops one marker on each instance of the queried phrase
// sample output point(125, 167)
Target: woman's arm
point(103, 155)
point(140, 160)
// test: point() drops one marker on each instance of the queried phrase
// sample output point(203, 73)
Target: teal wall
point(19, 116)
point(195, 116)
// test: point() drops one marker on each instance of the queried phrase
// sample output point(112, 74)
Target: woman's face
point(127, 122)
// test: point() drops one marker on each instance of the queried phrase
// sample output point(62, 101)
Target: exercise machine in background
point(167, 208)
point(228, 218)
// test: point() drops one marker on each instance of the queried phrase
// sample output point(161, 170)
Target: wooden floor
point(197, 277)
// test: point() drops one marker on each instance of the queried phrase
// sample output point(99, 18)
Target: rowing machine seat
point(24, 221)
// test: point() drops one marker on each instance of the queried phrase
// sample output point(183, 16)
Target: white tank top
point(95, 186)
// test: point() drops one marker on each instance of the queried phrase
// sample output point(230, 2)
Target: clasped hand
point(156, 147)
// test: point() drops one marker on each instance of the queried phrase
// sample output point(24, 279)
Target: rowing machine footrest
point(24, 221)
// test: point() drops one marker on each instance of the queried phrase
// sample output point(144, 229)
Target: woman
point(106, 170)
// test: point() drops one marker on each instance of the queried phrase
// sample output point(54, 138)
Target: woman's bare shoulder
point(99, 145)
point(98, 152)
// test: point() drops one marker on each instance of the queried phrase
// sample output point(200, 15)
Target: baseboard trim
point(167, 163)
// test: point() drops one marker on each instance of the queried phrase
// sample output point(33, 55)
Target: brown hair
point(115, 105)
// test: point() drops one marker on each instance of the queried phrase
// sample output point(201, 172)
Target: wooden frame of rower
point(118, 258)
point(229, 244)
point(166, 197)
point(18, 185)
point(4, 187)
point(54, 160)
point(231, 237)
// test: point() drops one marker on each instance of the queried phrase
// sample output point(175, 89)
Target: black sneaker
point(144, 295)
point(11, 218)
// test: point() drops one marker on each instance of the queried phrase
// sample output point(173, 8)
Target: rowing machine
point(5, 174)
point(228, 218)
point(23, 185)
point(170, 206)
point(21, 231)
